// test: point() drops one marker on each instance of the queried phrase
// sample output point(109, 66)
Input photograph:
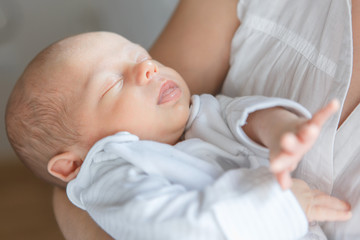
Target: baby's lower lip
point(169, 91)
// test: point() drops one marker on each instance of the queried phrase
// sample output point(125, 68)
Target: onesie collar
point(194, 110)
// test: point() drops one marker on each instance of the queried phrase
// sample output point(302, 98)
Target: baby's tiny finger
point(308, 133)
point(284, 180)
point(279, 164)
point(323, 114)
point(289, 142)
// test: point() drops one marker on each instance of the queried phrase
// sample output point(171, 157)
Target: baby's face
point(120, 88)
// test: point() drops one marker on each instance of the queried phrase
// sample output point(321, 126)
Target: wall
point(27, 26)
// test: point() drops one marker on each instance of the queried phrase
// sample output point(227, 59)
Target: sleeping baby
point(96, 114)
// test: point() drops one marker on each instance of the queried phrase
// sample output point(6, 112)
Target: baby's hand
point(319, 206)
point(295, 143)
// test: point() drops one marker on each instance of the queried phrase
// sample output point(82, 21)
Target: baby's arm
point(287, 136)
point(319, 206)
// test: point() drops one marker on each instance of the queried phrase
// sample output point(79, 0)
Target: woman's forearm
point(74, 223)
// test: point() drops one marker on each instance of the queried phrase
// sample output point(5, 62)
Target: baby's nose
point(145, 71)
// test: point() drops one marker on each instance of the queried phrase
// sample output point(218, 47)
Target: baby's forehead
point(83, 55)
point(95, 40)
point(84, 49)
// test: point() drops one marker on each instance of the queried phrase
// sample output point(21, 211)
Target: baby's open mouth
point(169, 91)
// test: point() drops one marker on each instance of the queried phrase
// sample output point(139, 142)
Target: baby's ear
point(64, 166)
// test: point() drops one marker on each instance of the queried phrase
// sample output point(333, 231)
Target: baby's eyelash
point(118, 83)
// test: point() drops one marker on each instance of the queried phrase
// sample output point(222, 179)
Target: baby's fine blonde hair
point(39, 124)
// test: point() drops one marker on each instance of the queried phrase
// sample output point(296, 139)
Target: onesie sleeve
point(136, 193)
point(262, 211)
point(237, 110)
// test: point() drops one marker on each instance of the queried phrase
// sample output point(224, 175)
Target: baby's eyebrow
point(129, 48)
point(135, 47)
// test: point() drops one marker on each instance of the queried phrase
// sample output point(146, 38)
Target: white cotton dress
point(302, 50)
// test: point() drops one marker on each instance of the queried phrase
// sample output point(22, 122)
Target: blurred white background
point(27, 26)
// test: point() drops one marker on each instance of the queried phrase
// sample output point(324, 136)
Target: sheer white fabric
point(302, 50)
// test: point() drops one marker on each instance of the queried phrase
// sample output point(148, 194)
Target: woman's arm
point(75, 223)
point(196, 42)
